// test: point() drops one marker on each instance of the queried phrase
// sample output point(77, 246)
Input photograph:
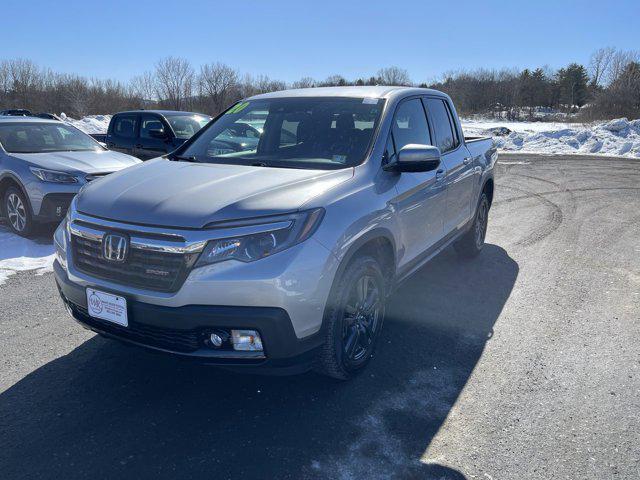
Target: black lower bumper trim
point(54, 206)
point(183, 330)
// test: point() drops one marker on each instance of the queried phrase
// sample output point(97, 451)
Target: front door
point(148, 146)
point(420, 204)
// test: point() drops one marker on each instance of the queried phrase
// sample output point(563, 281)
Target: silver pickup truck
point(278, 254)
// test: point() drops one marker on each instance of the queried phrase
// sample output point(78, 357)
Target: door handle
point(467, 160)
point(439, 176)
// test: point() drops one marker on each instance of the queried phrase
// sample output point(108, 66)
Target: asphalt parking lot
point(523, 363)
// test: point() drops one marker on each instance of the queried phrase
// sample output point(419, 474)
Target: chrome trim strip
point(177, 241)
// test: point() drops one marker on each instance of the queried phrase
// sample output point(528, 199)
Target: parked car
point(280, 256)
point(21, 112)
point(150, 133)
point(43, 165)
point(16, 112)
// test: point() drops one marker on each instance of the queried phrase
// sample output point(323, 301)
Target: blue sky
point(291, 39)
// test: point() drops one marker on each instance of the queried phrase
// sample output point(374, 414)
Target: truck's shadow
point(107, 411)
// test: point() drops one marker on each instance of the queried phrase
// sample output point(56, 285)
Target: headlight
point(60, 243)
point(260, 245)
point(53, 176)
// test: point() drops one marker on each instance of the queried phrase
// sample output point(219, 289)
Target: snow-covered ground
point(90, 123)
point(18, 254)
point(619, 137)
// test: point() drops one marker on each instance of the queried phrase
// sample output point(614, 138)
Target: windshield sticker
point(340, 158)
point(238, 108)
point(370, 101)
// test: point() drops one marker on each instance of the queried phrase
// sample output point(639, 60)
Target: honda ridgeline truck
point(280, 255)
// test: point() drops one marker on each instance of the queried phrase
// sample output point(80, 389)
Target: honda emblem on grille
point(115, 247)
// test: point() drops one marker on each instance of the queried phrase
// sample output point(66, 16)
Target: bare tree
point(77, 96)
point(5, 82)
point(393, 76)
point(599, 64)
point(335, 81)
point(144, 87)
point(24, 75)
point(304, 82)
point(217, 83)
point(175, 81)
point(619, 61)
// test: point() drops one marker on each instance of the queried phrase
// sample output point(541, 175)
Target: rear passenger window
point(446, 136)
point(410, 125)
point(125, 126)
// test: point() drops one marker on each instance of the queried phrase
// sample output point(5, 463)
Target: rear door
point(151, 147)
point(458, 163)
point(420, 204)
point(123, 133)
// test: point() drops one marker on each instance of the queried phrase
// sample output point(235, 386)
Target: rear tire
point(17, 212)
point(471, 243)
point(353, 319)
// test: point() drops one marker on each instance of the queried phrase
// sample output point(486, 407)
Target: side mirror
point(159, 133)
point(415, 158)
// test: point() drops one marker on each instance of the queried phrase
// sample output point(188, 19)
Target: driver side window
point(410, 124)
point(150, 122)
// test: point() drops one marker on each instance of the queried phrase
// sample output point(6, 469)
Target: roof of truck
point(377, 91)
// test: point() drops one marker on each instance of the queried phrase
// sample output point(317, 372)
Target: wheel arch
point(10, 180)
point(380, 244)
point(488, 187)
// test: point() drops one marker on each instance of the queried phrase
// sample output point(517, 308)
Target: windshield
point(184, 126)
point(45, 137)
point(323, 133)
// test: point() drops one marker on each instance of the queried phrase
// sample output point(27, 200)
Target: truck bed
point(481, 146)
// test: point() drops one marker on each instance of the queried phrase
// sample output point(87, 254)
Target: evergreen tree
point(573, 82)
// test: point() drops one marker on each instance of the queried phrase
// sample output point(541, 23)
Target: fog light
point(247, 340)
point(216, 340)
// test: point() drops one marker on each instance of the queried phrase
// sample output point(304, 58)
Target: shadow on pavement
point(108, 411)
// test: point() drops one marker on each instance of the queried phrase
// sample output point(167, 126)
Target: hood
point(190, 195)
point(84, 162)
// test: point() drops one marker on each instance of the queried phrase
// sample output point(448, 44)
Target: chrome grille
point(146, 269)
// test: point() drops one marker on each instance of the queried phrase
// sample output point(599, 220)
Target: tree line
point(608, 87)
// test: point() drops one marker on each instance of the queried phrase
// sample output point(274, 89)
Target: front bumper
point(181, 331)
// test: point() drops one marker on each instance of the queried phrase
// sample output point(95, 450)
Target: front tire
point(353, 319)
point(17, 212)
point(470, 245)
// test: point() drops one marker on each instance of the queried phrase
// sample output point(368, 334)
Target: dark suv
point(151, 133)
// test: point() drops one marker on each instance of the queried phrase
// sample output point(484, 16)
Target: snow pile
point(19, 254)
point(619, 137)
point(90, 123)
